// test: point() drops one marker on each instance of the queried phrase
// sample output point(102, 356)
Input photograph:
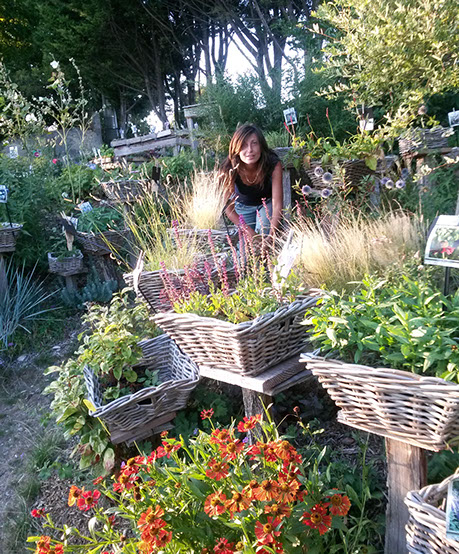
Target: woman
point(253, 173)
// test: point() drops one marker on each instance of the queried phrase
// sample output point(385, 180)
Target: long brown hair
point(229, 167)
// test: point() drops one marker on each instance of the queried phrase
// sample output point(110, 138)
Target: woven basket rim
point(402, 377)
point(243, 327)
point(11, 226)
point(51, 255)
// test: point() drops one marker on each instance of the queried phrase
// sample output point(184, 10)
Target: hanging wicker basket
point(102, 243)
point(422, 411)
point(247, 348)
point(131, 414)
point(65, 266)
point(8, 235)
point(423, 139)
point(128, 190)
point(426, 527)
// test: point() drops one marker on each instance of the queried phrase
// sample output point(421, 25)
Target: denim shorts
point(255, 216)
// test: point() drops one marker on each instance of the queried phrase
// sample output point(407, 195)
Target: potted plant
point(64, 260)
point(8, 236)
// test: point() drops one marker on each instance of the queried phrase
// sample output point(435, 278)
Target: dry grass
point(203, 207)
point(337, 252)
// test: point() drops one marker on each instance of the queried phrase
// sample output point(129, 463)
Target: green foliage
point(75, 181)
point(392, 53)
point(405, 324)
point(178, 169)
point(108, 347)
point(95, 290)
point(100, 219)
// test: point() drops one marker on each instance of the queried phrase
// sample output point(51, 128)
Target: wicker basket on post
point(66, 266)
point(8, 235)
point(134, 416)
point(421, 411)
point(426, 527)
point(247, 348)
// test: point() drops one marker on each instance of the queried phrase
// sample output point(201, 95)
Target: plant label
point(85, 207)
point(442, 246)
point(453, 118)
point(286, 260)
point(290, 116)
point(3, 194)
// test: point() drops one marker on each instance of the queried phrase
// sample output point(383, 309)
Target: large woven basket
point(353, 171)
point(8, 235)
point(66, 266)
point(101, 243)
point(128, 190)
point(201, 236)
point(420, 139)
point(422, 411)
point(247, 348)
point(426, 527)
point(178, 376)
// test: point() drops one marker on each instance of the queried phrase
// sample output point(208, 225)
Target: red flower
point(288, 489)
point(285, 451)
point(97, 480)
point(248, 423)
point(163, 538)
point(126, 480)
point(224, 547)
point(152, 531)
point(278, 510)
point(268, 490)
point(74, 494)
point(217, 470)
point(269, 452)
point(150, 516)
point(238, 502)
point(88, 500)
point(339, 505)
point(266, 532)
point(207, 414)
point(38, 513)
point(317, 518)
point(43, 544)
point(231, 449)
point(251, 490)
point(276, 546)
point(214, 504)
point(166, 449)
point(221, 435)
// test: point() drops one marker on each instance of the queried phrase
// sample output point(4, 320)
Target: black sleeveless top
point(252, 195)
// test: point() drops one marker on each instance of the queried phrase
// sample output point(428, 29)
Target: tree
point(397, 53)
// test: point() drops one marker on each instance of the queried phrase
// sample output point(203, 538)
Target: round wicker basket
point(8, 235)
point(426, 527)
point(422, 411)
point(420, 139)
point(178, 376)
point(101, 243)
point(247, 348)
point(65, 266)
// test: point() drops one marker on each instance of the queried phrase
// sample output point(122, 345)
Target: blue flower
point(327, 178)
point(318, 171)
point(384, 180)
point(92, 166)
point(326, 193)
point(306, 190)
point(400, 184)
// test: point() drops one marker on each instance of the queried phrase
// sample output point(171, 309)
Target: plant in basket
point(214, 493)
point(110, 347)
point(243, 319)
point(101, 230)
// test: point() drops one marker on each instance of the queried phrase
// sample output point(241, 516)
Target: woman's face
point(251, 151)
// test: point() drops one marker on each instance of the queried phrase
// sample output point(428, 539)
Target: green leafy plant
point(95, 290)
point(100, 219)
point(405, 324)
point(215, 493)
point(106, 151)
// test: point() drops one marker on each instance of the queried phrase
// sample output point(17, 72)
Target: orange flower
point(269, 452)
point(279, 510)
point(339, 505)
point(317, 518)
point(74, 494)
point(151, 531)
point(238, 502)
point(221, 435)
point(163, 538)
point(248, 423)
point(231, 449)
point(88, 500)
point(268, 490)
point(266, 533)
point(251, 489)
point(288, 489)
point(214, 504)
point(224, 547)
point(285, 451)
point(43, 544)
point(217, 470)
point(150, 516)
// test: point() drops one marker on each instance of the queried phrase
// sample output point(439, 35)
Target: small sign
point(13, 152)
point(453, 118)
point(452, 510)
point(366, 119)
point(442, 246)
point(85, 207)
point(290, 116)
point(3, 194)
point(286, 259)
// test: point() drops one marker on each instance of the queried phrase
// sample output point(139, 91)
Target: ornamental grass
point(341, 249)
point(214, 494)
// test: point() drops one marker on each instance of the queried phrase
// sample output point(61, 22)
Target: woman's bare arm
point(277, 198)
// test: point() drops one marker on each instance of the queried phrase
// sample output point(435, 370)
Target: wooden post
point(406, 471)
point(255, 403)
point(287, 192)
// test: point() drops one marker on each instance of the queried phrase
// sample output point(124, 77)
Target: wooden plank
point(142, 432)
point(151, 145)
point(261, 383)
point(301, 377)
point(406, 471)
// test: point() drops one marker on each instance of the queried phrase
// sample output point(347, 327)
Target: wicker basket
point(8, 235)
point(66, 266)
point(422, 411)
point(352, 170)
point(426, 527)
point(100, 243)
point(201, 236)
point(424, 139)
point(247, 348)
point(128, 191)
point(178, 376)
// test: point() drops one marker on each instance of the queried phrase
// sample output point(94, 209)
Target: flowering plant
point(217, 494)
